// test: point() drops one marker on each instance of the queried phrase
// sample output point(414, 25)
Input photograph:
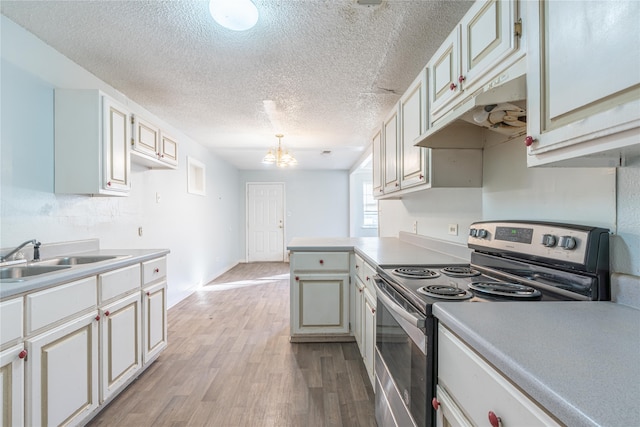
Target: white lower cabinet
point(12, 386)
point(369, 333)
point(154, 321)
point(121, 356)
point(472, 392)
point(358, 311)
point(320, 283)
point(62, 373)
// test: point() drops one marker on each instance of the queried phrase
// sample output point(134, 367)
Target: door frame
point(285, 255)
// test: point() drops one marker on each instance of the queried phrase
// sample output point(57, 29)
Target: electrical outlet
point(453, 229)
point(140, 231)
point(158, 197)
point(415, 227)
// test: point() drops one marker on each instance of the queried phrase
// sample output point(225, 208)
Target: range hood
point(499, 107)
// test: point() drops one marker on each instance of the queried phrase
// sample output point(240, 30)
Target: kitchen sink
point(76, 260)
point(18, 272)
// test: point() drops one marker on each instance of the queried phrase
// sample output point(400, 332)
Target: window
point(370, 205)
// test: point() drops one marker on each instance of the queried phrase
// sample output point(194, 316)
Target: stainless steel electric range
point(511, 261)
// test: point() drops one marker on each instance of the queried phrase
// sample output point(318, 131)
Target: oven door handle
point(418, 322)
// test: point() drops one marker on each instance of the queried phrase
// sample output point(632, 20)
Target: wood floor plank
point(229, 362)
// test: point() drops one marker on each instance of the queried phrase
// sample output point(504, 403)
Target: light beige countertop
point(125, 257)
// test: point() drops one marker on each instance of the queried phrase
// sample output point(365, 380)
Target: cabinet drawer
point(477, 388)
point(154, 270)
point(360, 267)
point(369, 272)
point(47, 307)
point(321, 261)
point(10, 321)
point(118, 282)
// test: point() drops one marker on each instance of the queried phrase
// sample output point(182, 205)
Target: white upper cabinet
point(413, 160)
point(391, 150)
point(489, 35)
point(583, 82)
point(477, 50)
point(377, 159)
point(444, 71)
point(151, 147)
point(91, 144)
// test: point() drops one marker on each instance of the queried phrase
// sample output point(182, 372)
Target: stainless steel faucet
point(36, 250)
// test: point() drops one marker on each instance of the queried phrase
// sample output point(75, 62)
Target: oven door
point(403, 360)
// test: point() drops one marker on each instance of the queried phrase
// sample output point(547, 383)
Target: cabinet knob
point(360, 290)
point(109, 184)
point(461, 79)
point(297, 278)
point(22, 354)
point(148, 294)
point(453, 86)
point(367, 278)
point(321, 261)
point(435, 403)
point(373, 311)
point(97, 317)
point(106, 313)
point(156, 270)
point(357, 266)
point(421, 177)
point(494, 420)
point(528, 141)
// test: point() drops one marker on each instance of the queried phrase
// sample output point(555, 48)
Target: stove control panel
point(555, 241)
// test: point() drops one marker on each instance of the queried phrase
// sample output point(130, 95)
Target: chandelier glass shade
point(281, 157)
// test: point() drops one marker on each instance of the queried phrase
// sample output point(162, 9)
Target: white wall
point(316, 201)
point(201, 232)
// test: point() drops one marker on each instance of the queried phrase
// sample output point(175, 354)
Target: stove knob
point(567, 242)
point(548, 240)
point(473, 232)
point(482, 233)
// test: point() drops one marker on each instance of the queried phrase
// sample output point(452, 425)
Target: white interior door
point(265, 222)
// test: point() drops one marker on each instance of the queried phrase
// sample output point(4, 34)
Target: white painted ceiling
point(322, 72)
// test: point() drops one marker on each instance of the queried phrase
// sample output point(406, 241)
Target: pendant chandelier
point(281, 157)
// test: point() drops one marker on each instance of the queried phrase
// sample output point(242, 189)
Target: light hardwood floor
point(229, 362)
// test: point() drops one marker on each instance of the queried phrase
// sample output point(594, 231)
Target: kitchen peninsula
point(579, 365)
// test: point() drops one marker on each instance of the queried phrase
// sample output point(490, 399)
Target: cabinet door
point(120, 343)
point(579, 104)
point(413, 116)
point(12, 386)
point(358, 304)
point(391, 151)
point(116, 162)
point(488, 37)
point(444, 70)
point(146, 137)
point(377, 159)
point(320, 304)
point(154, 321)
point(169, 150)
point(62, 373)
point(369, 333)
point(448, 414)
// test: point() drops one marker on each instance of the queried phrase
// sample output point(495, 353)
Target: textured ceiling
point(322, 72)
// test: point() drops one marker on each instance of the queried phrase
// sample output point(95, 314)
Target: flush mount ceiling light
point(281, 157)
point(236, 15)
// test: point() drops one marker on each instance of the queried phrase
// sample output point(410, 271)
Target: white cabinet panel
point(391, 150)
point(321, 261)
point(377, 159)
point(413, 116)
point(12, 386)
point(582, 111)
point(118, 282)
point(46, 308)
point(154, 321)
point(153, 270)
point(62, 373)
point(369, 333)
point(478, 388)
point(444, 70)
point(120, 337)
point(320, 302)
point(11, 321)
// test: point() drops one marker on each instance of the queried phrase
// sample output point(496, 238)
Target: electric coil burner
point(508, 290)
point(416, 273)
point(451, 293)
point(511, 261)
point(460, 271)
